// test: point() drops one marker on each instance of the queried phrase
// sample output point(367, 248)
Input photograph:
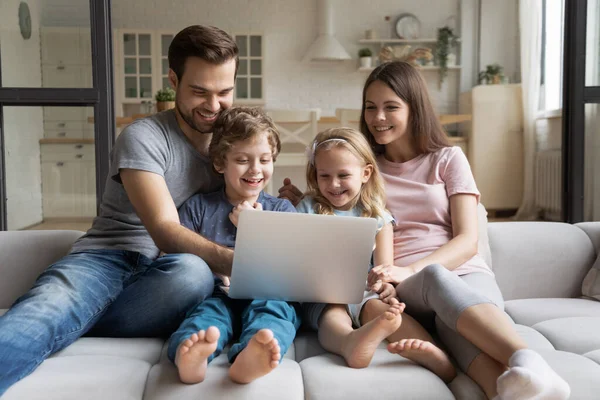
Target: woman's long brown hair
point(408, 84)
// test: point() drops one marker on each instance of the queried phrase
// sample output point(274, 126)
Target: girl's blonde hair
point(371, 198)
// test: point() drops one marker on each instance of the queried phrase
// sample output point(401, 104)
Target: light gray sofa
point(539, 266)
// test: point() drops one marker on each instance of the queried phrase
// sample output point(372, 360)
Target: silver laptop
point(301, 257)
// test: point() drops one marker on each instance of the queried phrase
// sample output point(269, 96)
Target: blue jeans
point(245, 317)
point(104, 292)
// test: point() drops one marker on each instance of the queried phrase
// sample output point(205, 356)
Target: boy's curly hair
point(241, 123)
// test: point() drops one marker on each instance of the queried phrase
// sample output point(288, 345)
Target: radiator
point(548, 184)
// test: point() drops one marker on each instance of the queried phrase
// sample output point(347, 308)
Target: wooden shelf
point(425, 68)
point(399, 41)
point(66, 141)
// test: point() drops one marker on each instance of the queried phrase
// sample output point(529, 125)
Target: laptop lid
point(301, 257)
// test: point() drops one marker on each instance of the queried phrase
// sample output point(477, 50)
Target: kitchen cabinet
point(68, 180)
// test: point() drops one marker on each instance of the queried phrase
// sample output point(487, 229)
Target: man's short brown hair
point(209, 43)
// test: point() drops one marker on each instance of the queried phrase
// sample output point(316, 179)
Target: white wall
point(23, 125)
point(290, 26)
point(499, 40)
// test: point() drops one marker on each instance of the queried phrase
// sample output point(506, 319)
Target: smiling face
point(340, 175)
point(204, 90)
point(247, 168)
point(386, 115)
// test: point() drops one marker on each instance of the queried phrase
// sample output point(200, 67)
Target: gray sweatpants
point(439, 295)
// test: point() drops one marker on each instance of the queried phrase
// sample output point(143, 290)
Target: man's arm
point(154, 205)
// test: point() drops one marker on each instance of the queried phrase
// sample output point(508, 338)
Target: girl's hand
point(388, 274)
point(387, 293)
point(234, 215)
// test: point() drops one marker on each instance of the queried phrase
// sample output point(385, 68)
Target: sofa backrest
point(24, 255)
point(540, 259)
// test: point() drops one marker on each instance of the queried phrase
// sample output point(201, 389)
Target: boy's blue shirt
point(208, 215)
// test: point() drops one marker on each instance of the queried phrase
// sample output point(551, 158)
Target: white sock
point(530, 377)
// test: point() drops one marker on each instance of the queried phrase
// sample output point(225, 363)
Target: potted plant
point(165, 99)
point(492, 75)
point(365, 57)
point(446, 39)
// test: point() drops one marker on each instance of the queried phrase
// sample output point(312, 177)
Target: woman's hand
point(234, 215)
point(388, 274)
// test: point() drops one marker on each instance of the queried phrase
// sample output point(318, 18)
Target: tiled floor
point(82, 224)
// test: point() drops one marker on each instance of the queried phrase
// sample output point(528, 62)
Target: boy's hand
point(234, 215)
point(386, 291)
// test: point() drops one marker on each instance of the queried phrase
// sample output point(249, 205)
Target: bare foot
point(362, 342)
point(259, 358)
point(192, 355)
point(426, 354)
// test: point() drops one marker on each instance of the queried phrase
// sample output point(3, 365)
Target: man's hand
point(234, 215)
point(388, 274)
point(290, 192)
point(386, 291)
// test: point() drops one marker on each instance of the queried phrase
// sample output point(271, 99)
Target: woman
point(438, 273)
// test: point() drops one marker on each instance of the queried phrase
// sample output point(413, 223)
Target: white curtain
point(530, 26)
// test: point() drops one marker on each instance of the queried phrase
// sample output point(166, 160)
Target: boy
point(243, 148)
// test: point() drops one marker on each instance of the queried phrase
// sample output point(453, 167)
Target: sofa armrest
point(25, 254)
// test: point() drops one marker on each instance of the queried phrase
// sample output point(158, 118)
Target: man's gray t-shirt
point(155, 144)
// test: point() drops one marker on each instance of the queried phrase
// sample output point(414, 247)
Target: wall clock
point(408, 26)
point(24, 20)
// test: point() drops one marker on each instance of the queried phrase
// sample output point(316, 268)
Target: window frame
point(251, 101)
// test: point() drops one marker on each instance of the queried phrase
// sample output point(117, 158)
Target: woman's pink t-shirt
point(418, 196)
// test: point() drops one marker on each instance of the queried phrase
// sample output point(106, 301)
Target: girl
point(437, 271)
point(343, 179)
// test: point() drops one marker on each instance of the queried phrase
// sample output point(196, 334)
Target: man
point(113, 283)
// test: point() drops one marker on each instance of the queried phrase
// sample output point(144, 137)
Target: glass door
point(56, 118)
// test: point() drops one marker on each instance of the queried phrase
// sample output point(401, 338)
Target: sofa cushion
point(533, 338)
point(307, 345)
point(540, 259)
point(77, 377)
point(594, 356)
point(532, 311)
point(483, 242)
point(576, 334)
point(591, 283)
point(389, 376)
point(285, 382)
point(580, 372)
point(464, 388)
point(145, 349)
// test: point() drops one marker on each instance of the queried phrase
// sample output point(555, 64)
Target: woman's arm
point(384, 246)
point(463, 245)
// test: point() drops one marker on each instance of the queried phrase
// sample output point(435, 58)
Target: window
point(552, 54)
point(165, 42)
point(137, 65)
point(249, 87)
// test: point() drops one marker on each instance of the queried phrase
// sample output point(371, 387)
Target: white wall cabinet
point(68, 180)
